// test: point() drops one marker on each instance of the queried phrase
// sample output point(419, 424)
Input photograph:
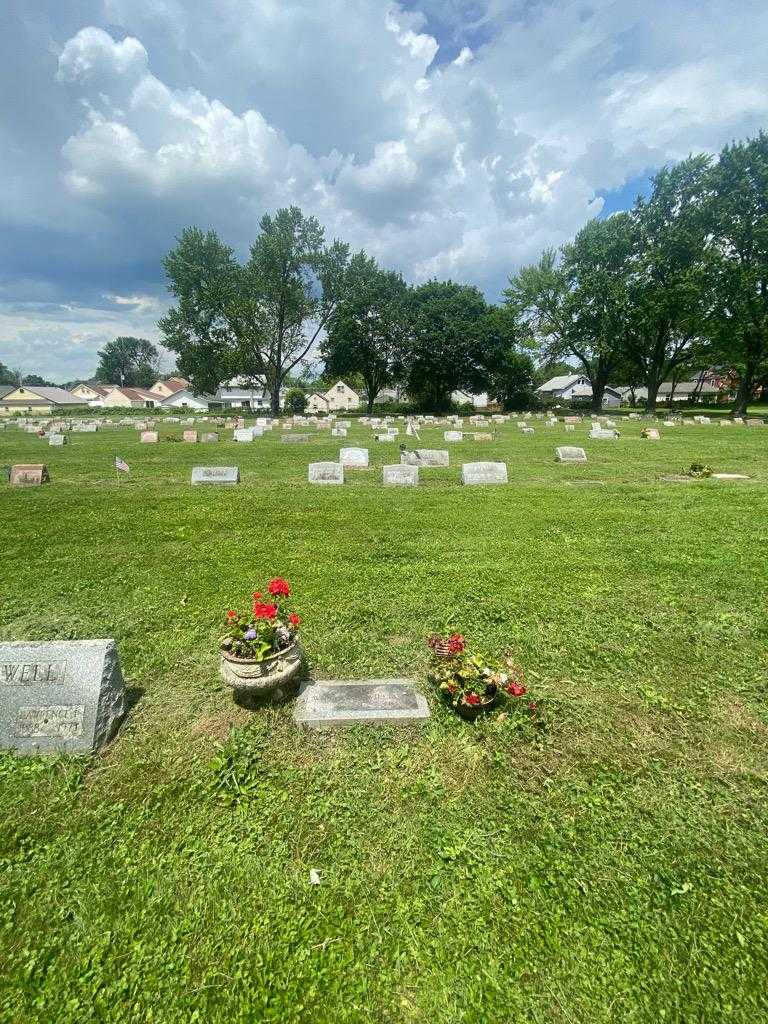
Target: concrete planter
point(251, 680)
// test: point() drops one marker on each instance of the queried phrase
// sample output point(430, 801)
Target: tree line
point(677, 283)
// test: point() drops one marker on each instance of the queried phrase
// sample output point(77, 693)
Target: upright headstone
point(148, 437)
point(294, 438)
point(339, 432)
point(401, 476)
point(209, 438)
point(29, 475)
point(190, 436)
point(223, 475)
point(59, 696)
point(474, 473)
point(354, 458)
point(243, 434)
point(326, 473)
point(453, 435)
point(56, 440)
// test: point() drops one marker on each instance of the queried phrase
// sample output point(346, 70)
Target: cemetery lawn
point(615, 872)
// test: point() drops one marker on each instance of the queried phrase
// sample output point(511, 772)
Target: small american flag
point(121, 465)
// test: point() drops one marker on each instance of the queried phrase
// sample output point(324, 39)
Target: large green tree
point(128, 362)
point(445, 344)
point(737, 226)
point(7, 375)
point(574, 303)
point(667, 288)
point(368, 333)
point(256, 320)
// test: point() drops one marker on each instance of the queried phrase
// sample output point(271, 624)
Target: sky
point(448, 138)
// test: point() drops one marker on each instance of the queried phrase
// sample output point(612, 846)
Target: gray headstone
point(243, 434)
point(62, 696)
point(453, 435)
point(344, 702)
point(354, 458)
point(56, 440)
point(226, 475)
point(294, 438)
point(473, 473)
point(432, 457)
point(568, 454)
point(401, 476)
point(209, 438)
point(326, 473)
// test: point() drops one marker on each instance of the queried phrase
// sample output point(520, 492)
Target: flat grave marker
point(346, 702)
point(294, 438)
point(434, 458)
point(570, 454)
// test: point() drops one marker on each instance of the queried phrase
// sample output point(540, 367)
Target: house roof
point(49, 396)
point(560, 383)
point(689, 387)
point(174, 384)
point(6, 389)
point(187, 391)
point(139, 394)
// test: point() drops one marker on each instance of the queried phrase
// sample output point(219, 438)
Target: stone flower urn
point(254, 680)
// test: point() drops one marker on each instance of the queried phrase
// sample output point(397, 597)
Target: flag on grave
point(121, 465)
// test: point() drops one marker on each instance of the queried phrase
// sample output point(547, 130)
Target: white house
point(185, 399)
point(575, 388)
point(93, 394)
point(465, 398)
point(235, 395)
point(317, 403)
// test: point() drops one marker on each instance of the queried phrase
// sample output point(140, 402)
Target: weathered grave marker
point(570, 454)
point(190, 436)
point(476, 473)
point(401, 476)
point(148, 437)
point(432, 457)
point(354, 458)
point(29, 475)
point(326, 473)
point(225, 475)
point(345, 702)
point(62, 696)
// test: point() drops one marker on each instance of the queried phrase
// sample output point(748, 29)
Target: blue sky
point(450, 138)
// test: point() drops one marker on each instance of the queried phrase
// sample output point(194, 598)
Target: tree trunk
point(274, 399)
point(744, 392)
point(653, 390)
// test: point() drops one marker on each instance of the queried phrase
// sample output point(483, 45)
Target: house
point(168, 387)
point(465, 398)
point(316, 403)
point(185, 399)
point(575, 387)
point(131, 398)
point(93, 394)
point(38, 400)
point(238, 395)
point(699, 389)
point(387, 396)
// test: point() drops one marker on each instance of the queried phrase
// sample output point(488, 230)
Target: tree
point(7, 375)
point(444, 348)
point(736, 219)
point(295, 401)
point(512, 381)
point(257, 320)
point(367, 335)
point(575, 301)
point(129, 362)
point(667, 289)
point(35, 380)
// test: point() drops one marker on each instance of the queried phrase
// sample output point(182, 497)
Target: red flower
point(231, 615)
point(279, 586)
point(294, 619)
point(471, 698)
point(256, 597)
point(456, 643)
point(533, 706)
point(262, 610)
point(451, 688)
point(516, 690)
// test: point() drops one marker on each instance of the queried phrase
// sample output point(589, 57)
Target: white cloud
point(444, 142)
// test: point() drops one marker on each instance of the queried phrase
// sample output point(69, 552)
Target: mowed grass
point(614, 872)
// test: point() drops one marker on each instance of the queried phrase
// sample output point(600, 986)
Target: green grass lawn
point(614, 872)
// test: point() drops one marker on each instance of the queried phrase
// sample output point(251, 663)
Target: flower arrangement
point(699, 470)
point(268, 628)
point(471, 683)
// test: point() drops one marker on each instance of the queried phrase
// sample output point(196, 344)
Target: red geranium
point(456, 643)
point(515, 690)
point(262, 610)
point(231, 615)
point(471, 698)
point(294, 619)
point(279, 587)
